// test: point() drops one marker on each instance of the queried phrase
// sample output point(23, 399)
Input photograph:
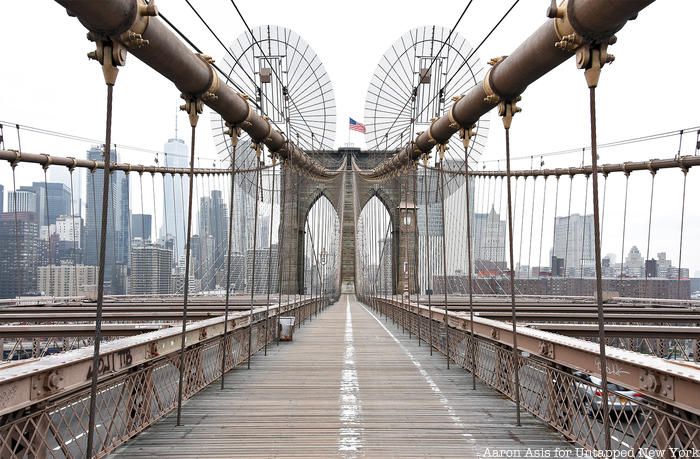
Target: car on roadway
point(621, 401)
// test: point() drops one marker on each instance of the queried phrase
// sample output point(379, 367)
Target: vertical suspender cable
point(680, 242)
point(486, 249)
point(416, 281)
point(101, 266)
point(255, 255)
point(143, 222)
point(280, 242)
point(165, 218)
point(73, 230)
point(224, 341)
point(193, 107)
point(310, 251)
point(470, 267)
point(18, 276)
point(444, 258)
point(651, 206)
point(554, 230)
point(509, 112)
point(48, 227)
point(427, 256)
point(602, 211)
point(479, 191)
point(544, 206)
point(522, 224)
point(182, 199)
point(624, 225)
point(155, 213)
point(177, 246)
point(532, 226)
point(269, 256)
point(583, 238)
point(592, 75)
point(568, 225)
point(406, 275)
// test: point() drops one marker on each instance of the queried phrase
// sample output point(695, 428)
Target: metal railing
point(568, 400)
point(138, 386)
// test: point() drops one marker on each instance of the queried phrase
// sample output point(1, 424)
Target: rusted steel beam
point(134, 25)
point(660, 379)
point(42, 159)
point(580, 308)
point(118, 308)
point(25, 384)
point(76, 330)
point(107, 316)
point(619, 331)
point(556, 308)
point(545, 49)
point(653, 165)
point(631, 316)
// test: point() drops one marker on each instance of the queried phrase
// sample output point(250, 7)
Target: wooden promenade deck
point(350, 385)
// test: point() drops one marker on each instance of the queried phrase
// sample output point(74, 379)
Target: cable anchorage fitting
point(110, 54)
point(591, 50)
point(507, 109)
point(234, 132)
point(466, 135)
point(592, 57)
point(442, 148)
point(111, 50)
point(194, 107)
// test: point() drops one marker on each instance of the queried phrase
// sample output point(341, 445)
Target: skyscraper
point(117, 237)
point(213, 230)
point(73, 181)
point(175, 191)
point(18, 253)
point(243, 216)
point(58, 197)
point(21, 201)
point(150, 270)
point(489, 240)
point(2, 198)
point(141, 226)
point(263, 232)
point(219, 226)
point(573, 242)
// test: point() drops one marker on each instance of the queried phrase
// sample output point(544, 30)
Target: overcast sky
point(47, 81)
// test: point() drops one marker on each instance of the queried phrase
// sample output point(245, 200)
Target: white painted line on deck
point(77, 437)
point(433, 386)
point(350, 441)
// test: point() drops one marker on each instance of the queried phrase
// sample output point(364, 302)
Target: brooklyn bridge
point(257, 288)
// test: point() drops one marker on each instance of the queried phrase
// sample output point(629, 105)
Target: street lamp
point(324, 259)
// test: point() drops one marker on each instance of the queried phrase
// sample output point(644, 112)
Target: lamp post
point(324, 259)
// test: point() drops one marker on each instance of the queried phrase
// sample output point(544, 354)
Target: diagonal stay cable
point(461, 16)
point(471, 54)
point(228, 51)
point(218, 69)
point(257, 43)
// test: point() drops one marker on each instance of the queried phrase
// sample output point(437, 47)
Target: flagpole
point(349, 131)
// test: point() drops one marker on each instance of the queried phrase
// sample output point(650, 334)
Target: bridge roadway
point(350, 385)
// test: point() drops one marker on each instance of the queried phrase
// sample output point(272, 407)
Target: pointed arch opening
point(375, 243)
point(320, 249)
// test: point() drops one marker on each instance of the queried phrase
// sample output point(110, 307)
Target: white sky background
point(47, 81)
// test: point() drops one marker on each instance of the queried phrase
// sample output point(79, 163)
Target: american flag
point(355, 126)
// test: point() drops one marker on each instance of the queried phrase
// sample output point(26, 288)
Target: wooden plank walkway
point(350, 385)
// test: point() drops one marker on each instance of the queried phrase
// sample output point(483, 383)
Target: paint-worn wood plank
point(350, 385)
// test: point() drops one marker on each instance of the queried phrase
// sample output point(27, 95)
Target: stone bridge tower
point(348, 193)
